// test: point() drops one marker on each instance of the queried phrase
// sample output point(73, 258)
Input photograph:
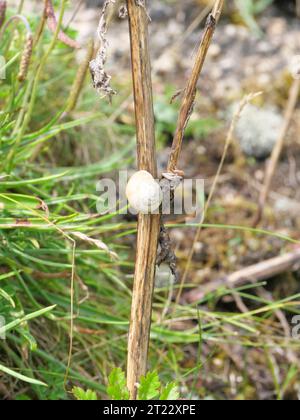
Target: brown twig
point(255, 273)
point(271, 169)
point(189, 95)
point(148, 225)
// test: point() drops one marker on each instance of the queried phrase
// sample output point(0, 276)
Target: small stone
point(257, 130)
point(214, 50)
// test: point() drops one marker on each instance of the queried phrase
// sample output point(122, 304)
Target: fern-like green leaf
point(170, 392)
point(117, 389)
point(149, 387)
point(82, 395)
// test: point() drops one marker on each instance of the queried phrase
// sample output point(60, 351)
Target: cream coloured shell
point(144, 193)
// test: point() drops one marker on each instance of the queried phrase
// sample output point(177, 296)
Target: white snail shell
point(144, 193)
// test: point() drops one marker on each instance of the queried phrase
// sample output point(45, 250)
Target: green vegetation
point(66, 271)
point(249, 9)
point(150, 388)
point(50, 164)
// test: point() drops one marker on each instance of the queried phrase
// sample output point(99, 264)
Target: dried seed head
point(26, 57)
point(144, 193)
point(80, 77)
point(2, 12)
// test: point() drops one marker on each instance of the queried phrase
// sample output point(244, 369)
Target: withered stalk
point(189, 93)
point(148, 225)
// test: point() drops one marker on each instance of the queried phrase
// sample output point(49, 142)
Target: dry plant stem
point(228, 141)
point(148, 225)
point(197, 21)
point(191, 88)
point(257, 272)
point(272, 165)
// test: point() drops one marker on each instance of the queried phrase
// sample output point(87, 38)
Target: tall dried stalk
point(189, 95)
point(188, 101)
point(148, 225)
